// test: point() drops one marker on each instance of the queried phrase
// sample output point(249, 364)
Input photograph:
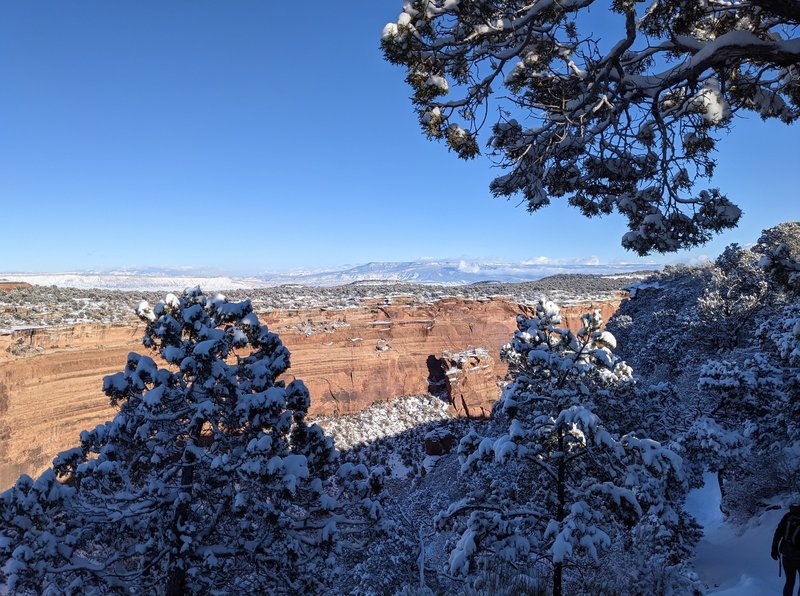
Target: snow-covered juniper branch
point(630, 129)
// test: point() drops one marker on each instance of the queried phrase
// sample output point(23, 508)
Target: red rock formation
point(439, 441)
point(7, 286)
point(51, 378)
point(472, 378)
point(352, 358)
point(50, 390)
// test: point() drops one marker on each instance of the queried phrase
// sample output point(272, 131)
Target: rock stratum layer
point(51, 377)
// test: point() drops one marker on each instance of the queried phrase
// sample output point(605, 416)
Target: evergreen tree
point(733, 296)
point(779, 248)
point(559, 485)
point(208, 479)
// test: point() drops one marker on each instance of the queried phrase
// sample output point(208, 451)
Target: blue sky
point(252, 136)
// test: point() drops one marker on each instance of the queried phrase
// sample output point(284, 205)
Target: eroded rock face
point(359, 356)
point(472, 378)
point(51, 389)
point(51, 378)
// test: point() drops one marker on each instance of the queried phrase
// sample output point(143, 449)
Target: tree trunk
point(176, 584)
point(558, 568)
point(557, 572)
point(721, 482)
point(176, 570)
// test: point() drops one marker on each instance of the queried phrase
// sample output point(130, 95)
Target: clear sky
point(252, 135)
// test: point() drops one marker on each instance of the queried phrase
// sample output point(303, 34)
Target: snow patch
point(731, 560)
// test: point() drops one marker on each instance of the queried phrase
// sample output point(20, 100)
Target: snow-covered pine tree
point(743, 422)
point(743, 394)
point(732, 298)
point(732, 407)
point(208, 479)
point(779, 247)
point(779, 431)
point(558, 485)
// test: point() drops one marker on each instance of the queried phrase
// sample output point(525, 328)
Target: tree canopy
point(625, 123)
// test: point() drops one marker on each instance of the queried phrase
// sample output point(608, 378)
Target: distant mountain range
point(446, 272)
point(456, 272)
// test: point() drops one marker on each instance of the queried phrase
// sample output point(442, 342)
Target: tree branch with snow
point(627, 126)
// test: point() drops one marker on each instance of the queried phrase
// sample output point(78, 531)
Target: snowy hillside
point(424, 272)
point(134, 281)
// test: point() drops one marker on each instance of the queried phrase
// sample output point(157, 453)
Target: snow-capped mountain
point(446, 272)
point(458, 272)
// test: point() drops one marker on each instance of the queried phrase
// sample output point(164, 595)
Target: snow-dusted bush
point(504, 581)
point(208, 479)
point(732, 297)
point(557, 485)
point(779, 248)
point(661, 569)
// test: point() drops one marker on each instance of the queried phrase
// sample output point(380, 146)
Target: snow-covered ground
point(384, 419)
point(135, 281)
point(732, 560)
point(48, 305)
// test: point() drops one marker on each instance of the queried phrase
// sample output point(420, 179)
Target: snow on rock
point(383, 419)
point(634, 289)
point(470, 381)
point(439, 441)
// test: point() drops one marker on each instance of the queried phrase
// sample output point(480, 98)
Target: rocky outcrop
point(50, 390)
point(439, 441)
point(7, 286)
point(354, 357)
point(51, 378)
point(471, 381)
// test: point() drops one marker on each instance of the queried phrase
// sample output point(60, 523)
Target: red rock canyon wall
point(51, 378)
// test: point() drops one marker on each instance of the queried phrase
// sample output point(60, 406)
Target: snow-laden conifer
point(779, 248)
point(715, 349)
point(732, 298)
point(209, 479)
point(557, 485)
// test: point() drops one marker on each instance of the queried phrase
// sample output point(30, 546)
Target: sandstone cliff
point(471, 381)
point(51, 378)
